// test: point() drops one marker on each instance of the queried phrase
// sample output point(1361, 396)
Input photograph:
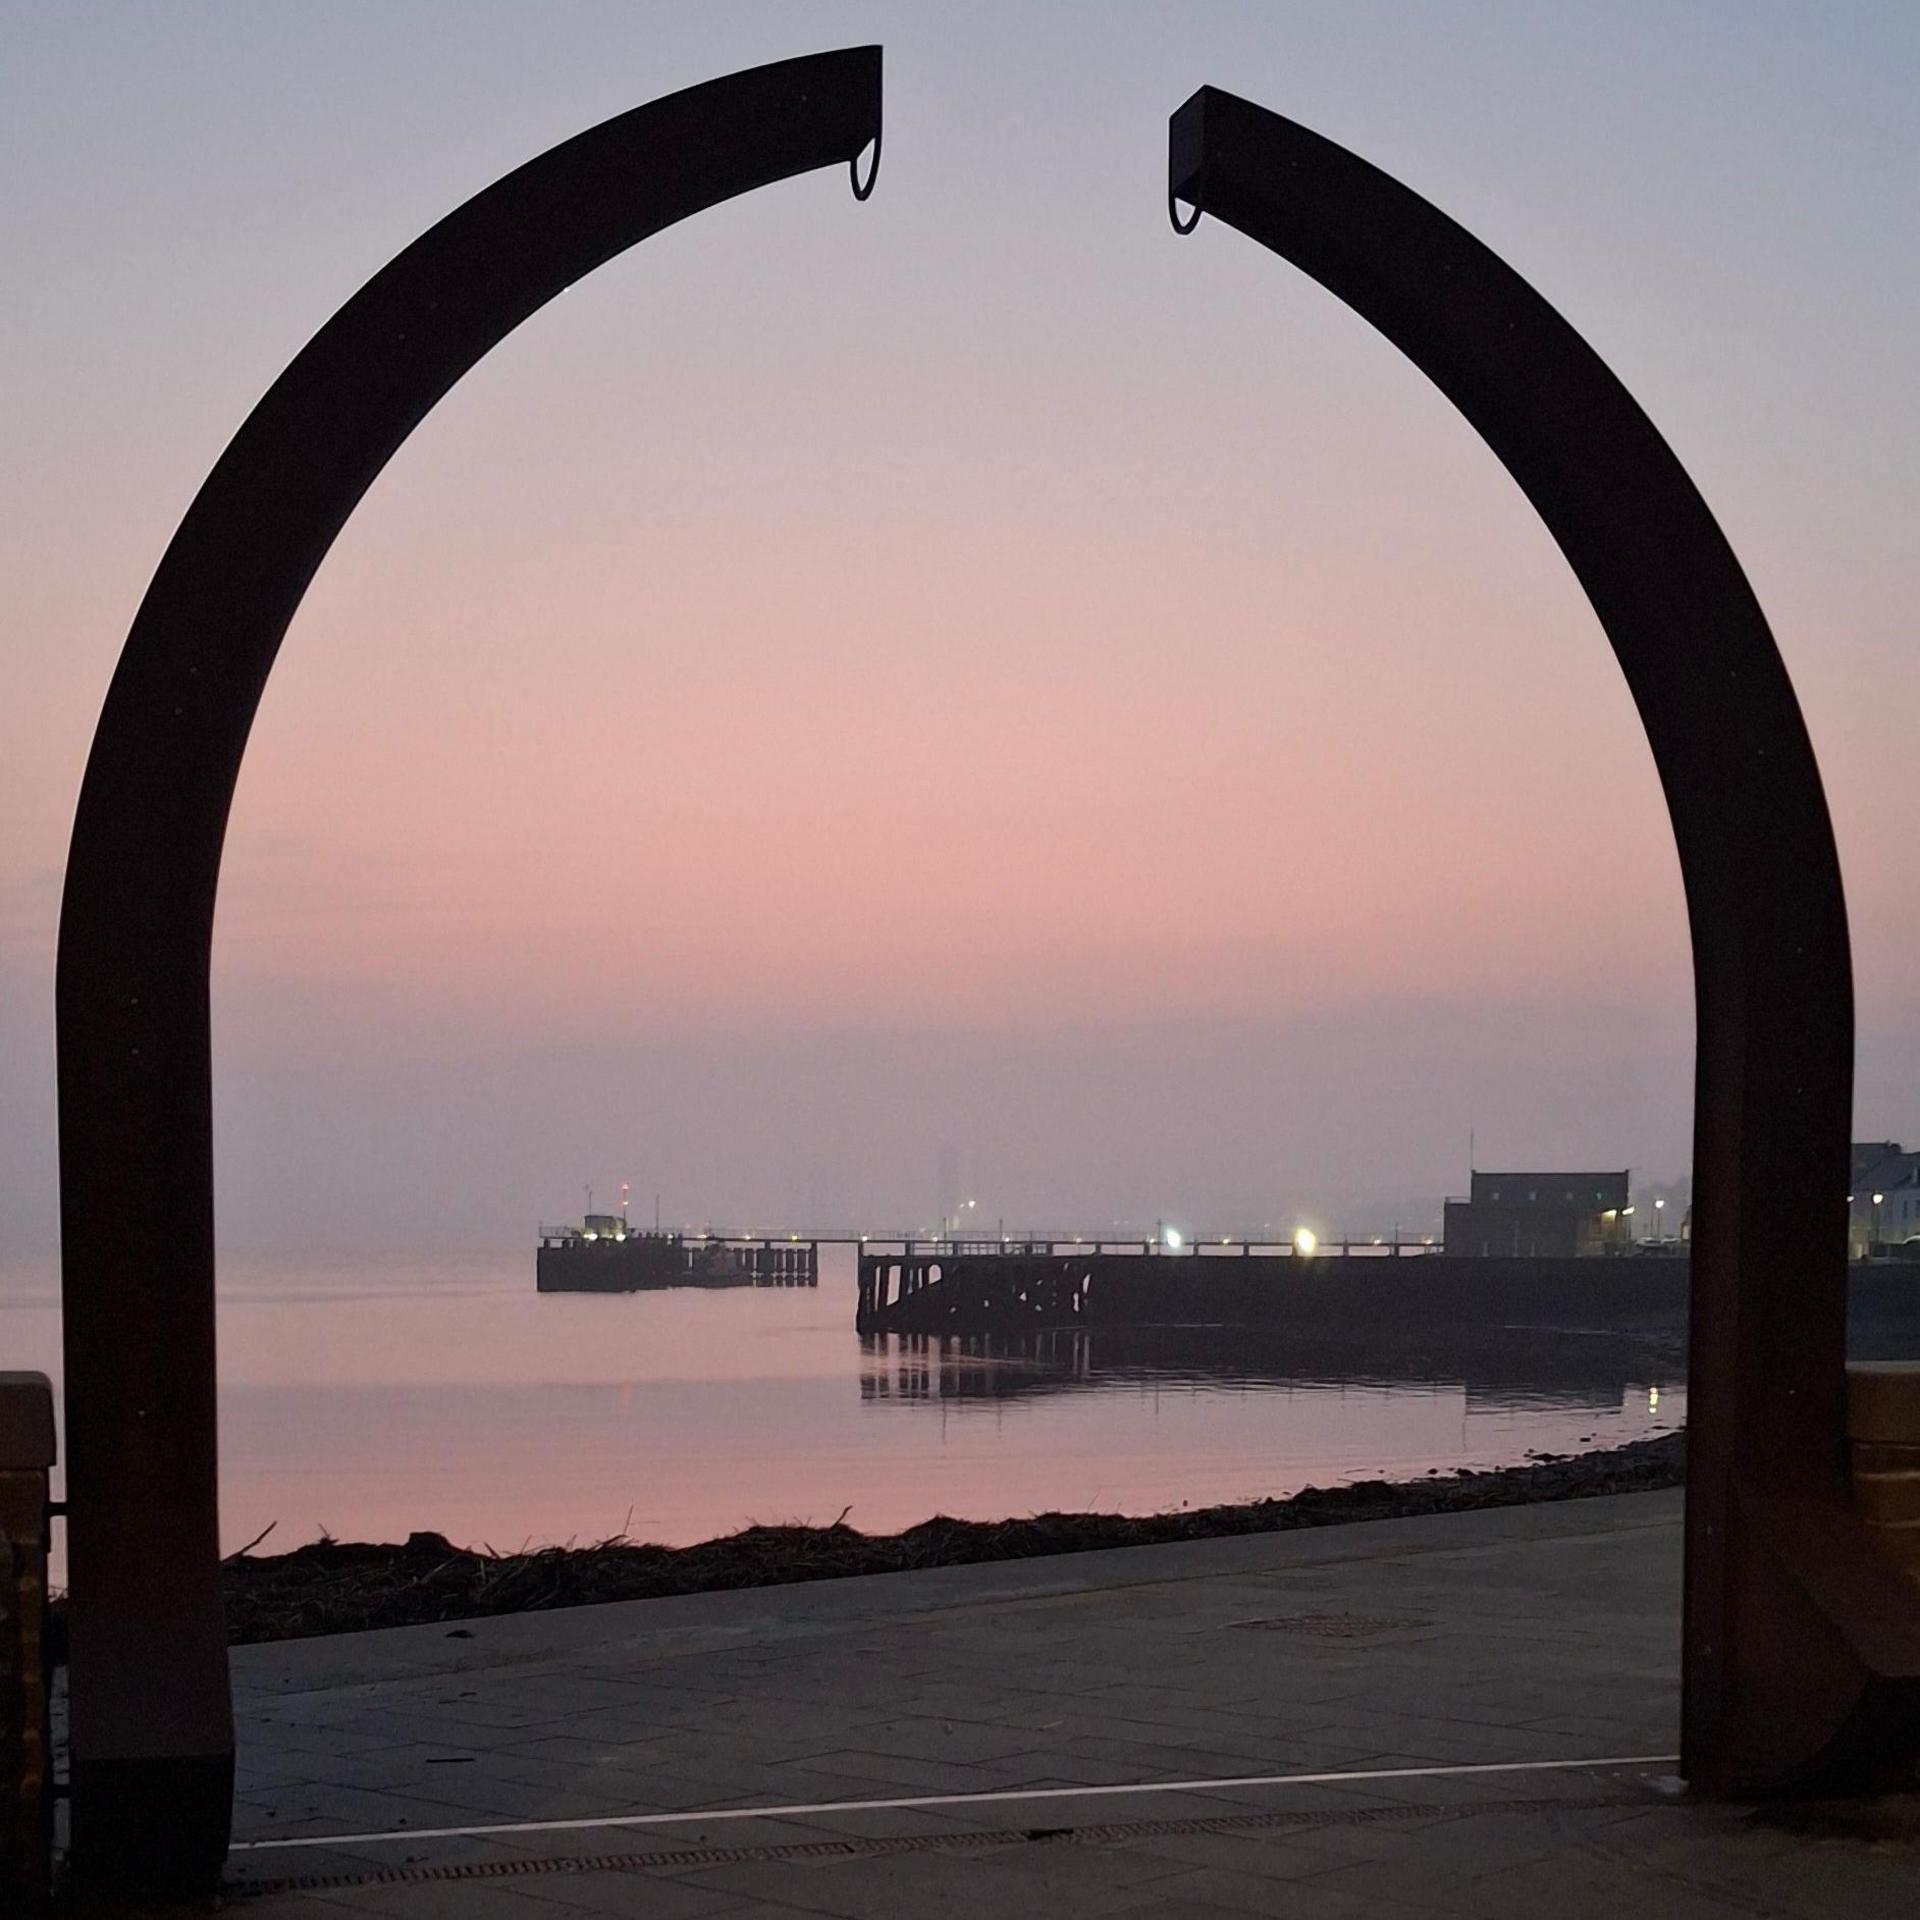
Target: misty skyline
point(969, 668)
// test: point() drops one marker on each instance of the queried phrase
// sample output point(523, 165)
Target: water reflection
point(367, 1397)
point(1493, 1368)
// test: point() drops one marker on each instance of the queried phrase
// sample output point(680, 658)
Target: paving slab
point(1466, 1715)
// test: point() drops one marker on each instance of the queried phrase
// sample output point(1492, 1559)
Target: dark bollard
point(26, 1740)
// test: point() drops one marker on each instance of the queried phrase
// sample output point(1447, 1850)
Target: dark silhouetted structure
point(152, 1736)
point(605, 1255)
point(1019, 1292)
point(1802, 1646)
point(1546, 1216)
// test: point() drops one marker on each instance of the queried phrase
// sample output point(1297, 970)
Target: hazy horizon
point(966, 680)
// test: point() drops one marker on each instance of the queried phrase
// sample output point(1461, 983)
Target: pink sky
point(970, 622)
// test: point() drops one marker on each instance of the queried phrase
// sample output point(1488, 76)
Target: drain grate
point(1101, 1833)
point(1331, 1626)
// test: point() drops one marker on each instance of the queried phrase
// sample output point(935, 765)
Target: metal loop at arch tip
point(1173, 214)
point(873, 173)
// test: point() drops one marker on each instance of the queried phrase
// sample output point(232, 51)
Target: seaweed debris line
point(341, 1587)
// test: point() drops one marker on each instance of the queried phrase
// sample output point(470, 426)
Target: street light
point(1659, 1225)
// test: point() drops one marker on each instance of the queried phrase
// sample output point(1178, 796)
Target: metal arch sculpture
point(152, 1733)
point(1801, 1656)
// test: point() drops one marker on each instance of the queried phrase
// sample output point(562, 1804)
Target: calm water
point(367, 1398)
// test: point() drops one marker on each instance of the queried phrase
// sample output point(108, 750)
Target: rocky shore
point(338, 1587)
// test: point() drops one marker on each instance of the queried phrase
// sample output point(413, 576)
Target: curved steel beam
point(1801, 1649)
point(152, 1735)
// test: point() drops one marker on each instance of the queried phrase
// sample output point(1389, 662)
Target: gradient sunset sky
point(969, 679)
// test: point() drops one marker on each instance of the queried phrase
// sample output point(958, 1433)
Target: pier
point(956, 1290)
point(613, 1258)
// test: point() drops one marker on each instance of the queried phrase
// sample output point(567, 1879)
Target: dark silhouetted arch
point(1802, 1650)
point(152, 1736)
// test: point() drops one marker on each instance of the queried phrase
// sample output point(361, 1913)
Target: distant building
point(1540, 1216)
point(1883, 1206)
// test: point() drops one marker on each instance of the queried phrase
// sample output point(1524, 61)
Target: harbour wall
point(1009, 1294)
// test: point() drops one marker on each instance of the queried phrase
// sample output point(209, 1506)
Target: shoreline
point(332, 1586)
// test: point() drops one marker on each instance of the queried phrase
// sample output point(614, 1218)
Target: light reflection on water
point(370, 1397)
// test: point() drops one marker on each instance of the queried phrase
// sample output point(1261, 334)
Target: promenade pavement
point(1484, 1707)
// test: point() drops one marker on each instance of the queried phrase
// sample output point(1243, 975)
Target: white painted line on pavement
point(1008, 1796)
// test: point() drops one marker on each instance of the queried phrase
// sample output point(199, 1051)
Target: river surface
point(367, 1397)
